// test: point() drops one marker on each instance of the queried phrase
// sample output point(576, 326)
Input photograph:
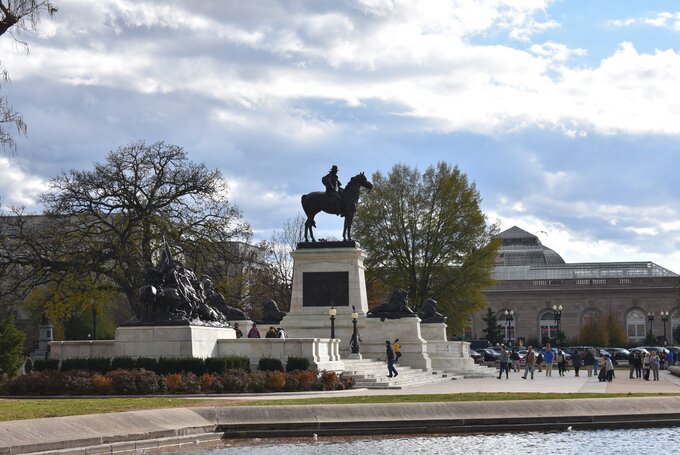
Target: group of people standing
point(645, 363)
point(254, 332)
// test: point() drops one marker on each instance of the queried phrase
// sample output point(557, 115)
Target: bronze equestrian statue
point(328, 201)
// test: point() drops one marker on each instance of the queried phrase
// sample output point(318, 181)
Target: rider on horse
point(333, 188)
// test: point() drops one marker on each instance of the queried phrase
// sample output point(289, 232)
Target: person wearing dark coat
point(576, 361)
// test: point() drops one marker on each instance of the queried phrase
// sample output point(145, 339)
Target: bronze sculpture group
point(172, 292)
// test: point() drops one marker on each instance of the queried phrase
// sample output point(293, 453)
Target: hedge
point(297, 363)
point(144, 382)
point(269, 364)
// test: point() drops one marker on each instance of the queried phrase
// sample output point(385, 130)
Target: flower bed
point(144, 382)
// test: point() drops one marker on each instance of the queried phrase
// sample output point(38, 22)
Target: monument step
point(372, 374)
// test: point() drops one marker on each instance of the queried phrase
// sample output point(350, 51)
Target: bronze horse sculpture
point(319, 201)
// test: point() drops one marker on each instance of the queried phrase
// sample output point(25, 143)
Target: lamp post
point(650, 318)
point(557, 314)
point(354, 342)
point(94, 319)
point(332, 312)
point(664, 319)
point(508, 321)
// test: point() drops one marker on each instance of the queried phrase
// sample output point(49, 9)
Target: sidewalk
point(667, 383)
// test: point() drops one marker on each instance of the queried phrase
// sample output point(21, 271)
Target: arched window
point(506, 320)
point(590, 317)
point(635, 325)
point(675, 322)
point(547, 325)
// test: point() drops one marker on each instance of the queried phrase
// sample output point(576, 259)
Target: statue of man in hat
point(333, 188)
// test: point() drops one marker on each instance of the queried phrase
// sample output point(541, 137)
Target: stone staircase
point(372, 374)
point(476, 372)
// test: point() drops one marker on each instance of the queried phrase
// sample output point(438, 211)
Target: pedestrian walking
point(389, 358)
point(503, 361)
point(560, 362)
point(514, 357)
point(397, 350)
point(530, 360)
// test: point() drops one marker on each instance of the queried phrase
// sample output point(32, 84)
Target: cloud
point(664, 19)
point(419, 57)
point(17, 187)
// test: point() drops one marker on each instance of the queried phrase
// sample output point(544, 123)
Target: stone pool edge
point(151, 429)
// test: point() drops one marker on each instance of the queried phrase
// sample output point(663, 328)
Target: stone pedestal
point(45, 336)
point(413, 346)
point(433, 331)
point(325, 277)
point(170, 341)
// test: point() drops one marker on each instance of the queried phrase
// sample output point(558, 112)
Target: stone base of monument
point(201, 341)
point(173, 341)
point(148, 341)
point(413, 346)
point(315, 323)
point(322, 353)
point(446, 355)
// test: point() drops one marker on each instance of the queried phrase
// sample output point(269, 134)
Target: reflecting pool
point(629, 441)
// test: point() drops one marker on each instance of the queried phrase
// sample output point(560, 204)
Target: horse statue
point(318, 201)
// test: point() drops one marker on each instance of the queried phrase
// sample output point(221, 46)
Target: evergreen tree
point(11, 348)
point(494, 332)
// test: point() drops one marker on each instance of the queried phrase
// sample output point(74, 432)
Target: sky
point(565, 114)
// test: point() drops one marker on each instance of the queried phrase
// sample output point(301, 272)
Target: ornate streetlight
point(354, 342)
point(650, 317)
point(332, 312)
point(557, 314)
point(664, 319)
point(508, 320)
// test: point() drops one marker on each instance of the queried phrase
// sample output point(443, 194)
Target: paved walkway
point(667, 383)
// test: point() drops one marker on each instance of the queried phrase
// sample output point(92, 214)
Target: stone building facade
point(533, 282)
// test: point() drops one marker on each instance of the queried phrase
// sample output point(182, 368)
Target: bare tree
point(17, 16)
point(281, 245)
point(103, 225)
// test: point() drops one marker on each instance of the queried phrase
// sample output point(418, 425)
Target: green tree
point(426, 233)
point(104, 225)
point(17, 16)
point(616, 332)
point(594, 332)
point(494, 332)
point(11, 348)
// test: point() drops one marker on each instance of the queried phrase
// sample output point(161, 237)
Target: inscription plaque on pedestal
point(323, 289)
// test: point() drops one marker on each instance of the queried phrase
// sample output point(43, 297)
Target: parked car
point(489, 354)
point(642, 351)
point(657, 349)
point(618, 354)
point(476, 356)
point(479, 344)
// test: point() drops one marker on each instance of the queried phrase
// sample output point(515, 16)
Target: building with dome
point(534, 285)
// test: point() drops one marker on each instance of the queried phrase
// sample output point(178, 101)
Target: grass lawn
point(34, 408)
point(11, 409)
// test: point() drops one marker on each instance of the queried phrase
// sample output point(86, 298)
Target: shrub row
point(168, 365)
point(144, 382)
